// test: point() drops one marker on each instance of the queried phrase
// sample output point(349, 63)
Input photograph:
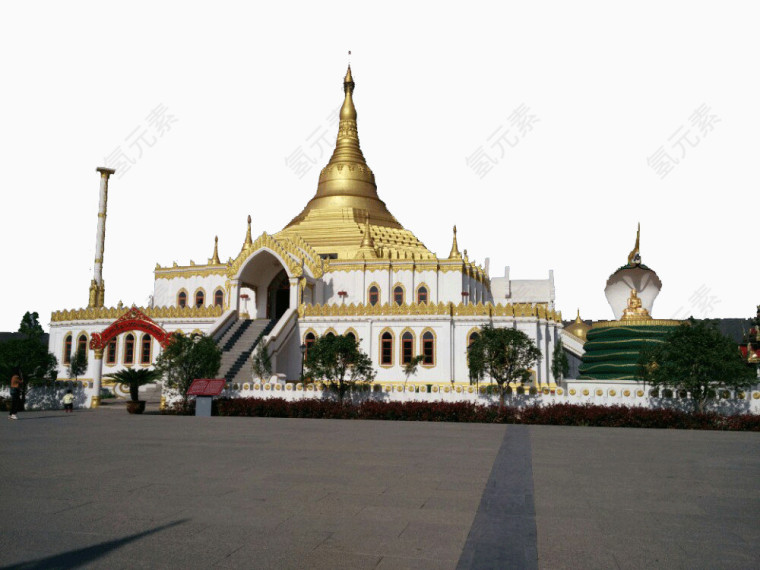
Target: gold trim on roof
point(100, 313)
point(637, 323)
point(539, 311)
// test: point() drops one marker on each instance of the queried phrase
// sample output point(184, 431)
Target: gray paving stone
point(103, 489)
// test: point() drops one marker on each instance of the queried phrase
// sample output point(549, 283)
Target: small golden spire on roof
point(578, 328)
point(367, 247)
point(215, 258)
point(367, 241)
point(454, 254)
point(634, 258)
point(248, 241)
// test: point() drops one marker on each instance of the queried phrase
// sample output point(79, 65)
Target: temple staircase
point(237, 344)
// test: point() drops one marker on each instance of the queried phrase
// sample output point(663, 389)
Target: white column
point(551, 338)
point(294, 292)
point(97, 287)
point(452, 347)
point(97, 374)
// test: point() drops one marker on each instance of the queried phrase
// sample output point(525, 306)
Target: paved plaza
point(103, 489)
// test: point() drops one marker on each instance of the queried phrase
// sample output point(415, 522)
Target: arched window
point(351, 335)
point(386, 349)
point(473, 337)
point(422, 295)
point(182, 299)
point(374, 295)
point(309, 341)
point(129, 349)
point(218, 298)
point(145, 353)
point(200, 297)
point(330, 334)
point(428, 348)
point(111, 352)
point(398, 295)
point(407, 347)
point(82, 343)
point(67, 349)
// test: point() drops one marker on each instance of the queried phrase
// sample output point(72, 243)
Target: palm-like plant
point(135, 378)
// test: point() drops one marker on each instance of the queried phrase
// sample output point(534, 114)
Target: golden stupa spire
point(634, 258)
point(578, 316)
point(215, 258)
point(248, 241)
point(454, 254)
point(346, 183)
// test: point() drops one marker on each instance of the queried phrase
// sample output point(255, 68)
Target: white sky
point(248, 83)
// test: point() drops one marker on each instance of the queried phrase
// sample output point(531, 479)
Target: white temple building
point(343, 265)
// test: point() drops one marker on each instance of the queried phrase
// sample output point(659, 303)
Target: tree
point(560, 365)
point(697, 358)
point(134, 378)
point(261, 364)
point(29, 354)
point(188, 357)
point(410, 368)
point(338, 361)
point(504, 355)
point(78, 364)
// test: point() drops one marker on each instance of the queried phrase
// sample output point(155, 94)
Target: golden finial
point(248, 241)
point(634, 258)
point(454, 254)
point(348, 111)
point(466, 259)
point(215, 258)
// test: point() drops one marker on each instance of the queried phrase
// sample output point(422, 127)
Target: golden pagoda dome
point(578, 328)
point(346, 213)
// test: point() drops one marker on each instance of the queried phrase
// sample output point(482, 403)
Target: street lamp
point(303, 354)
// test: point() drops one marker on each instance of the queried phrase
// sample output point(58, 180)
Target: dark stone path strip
point(503, 534)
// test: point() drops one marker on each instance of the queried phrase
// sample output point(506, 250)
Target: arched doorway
point(278, 296)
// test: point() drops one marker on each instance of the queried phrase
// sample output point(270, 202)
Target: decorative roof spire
point(578, 328)
point(634, 258)
point(215, 258)
point(454, 254)
point(367, 248)
point(367, 241)
point(248, 241)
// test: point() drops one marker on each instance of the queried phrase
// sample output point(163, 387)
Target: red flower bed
point(557, 414)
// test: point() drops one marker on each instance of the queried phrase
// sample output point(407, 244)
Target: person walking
point(68, 402)
point(16, 382)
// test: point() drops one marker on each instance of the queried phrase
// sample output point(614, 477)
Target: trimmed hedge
point(556, 414)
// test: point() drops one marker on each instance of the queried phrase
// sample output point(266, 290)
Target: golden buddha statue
point(634, 309)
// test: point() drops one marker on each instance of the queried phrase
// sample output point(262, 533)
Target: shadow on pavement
point(27, 416)
point(81, 556)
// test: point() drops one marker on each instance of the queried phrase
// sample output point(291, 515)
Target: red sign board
point(206, 387)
